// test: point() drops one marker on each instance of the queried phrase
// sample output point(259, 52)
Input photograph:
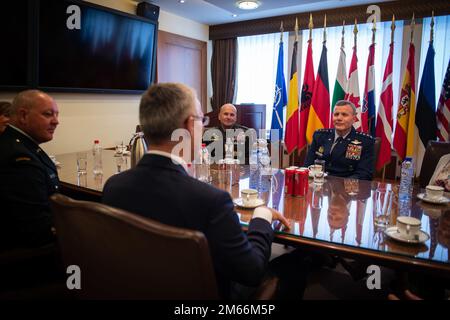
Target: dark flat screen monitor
point(15, 45)
point(94, 50)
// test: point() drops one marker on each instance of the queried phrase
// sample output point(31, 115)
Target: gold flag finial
point(392, 28)
point(432, 27)
point(413, 24)
point(281, 31)
point(374, 29)
point(296, 29)
point(355, 32)
point(310, 25)
point(343, 33)
point(325, 29)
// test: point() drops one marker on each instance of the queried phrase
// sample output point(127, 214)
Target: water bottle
point(229, 149)
point(264, 166)
point(97, 152)
point(264, 158)
point(203, 167)
point(406, 179)
point(254, 167)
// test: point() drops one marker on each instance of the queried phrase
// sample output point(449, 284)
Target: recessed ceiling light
point(181, 1)
point(234, 15)
point(247, 5)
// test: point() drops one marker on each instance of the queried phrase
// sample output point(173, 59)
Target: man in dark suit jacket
point(160, 188)
point(27, 175)
point(347, 153)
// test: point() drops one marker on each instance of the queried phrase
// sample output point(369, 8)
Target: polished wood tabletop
point(336, 217)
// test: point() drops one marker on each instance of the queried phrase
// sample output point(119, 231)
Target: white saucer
point(394, 234)
point(256, 203)
point(311, 175)
point(441, 200)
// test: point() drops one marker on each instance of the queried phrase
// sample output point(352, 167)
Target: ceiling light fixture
point(247, 5)
point(181, 1)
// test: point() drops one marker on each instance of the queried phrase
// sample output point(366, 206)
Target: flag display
point(341, 81)
point(307, 91)
point(384, 118)
point(352, 92)
point(443, 109)
point(319, 114)
point(368, 107)
point(280, 98)
point(406, 114)
point(292, 120)
point(425, 111)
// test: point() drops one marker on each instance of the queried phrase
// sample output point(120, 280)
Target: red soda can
point(304, 174)
point(301, 182)
point(289, 177)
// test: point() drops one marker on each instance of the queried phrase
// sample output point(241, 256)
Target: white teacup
point(434, 192)
point(408, 227)
point(249, 196)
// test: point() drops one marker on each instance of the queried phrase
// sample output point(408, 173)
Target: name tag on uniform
point(353, 152)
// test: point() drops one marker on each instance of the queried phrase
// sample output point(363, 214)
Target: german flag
point(319, 114)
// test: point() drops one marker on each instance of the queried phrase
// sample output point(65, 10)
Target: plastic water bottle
point(254, 167)
point(406, 179)
point(229, 149)
point(97, 152)
point(204, 174)
point(264, 166)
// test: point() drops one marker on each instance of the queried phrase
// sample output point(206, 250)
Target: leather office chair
point(125, 256)
point(435, 150)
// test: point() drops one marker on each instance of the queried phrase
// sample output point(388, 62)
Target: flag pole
point(296, 29)
point(355, 33)
point(413, 24)
point(311, 26)
point(432, 27)
point(325, 29)
point(392, 29)
point(374, 29)
point(281, 31)
point(343, 33)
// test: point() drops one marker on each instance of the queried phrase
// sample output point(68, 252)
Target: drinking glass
point(81, 162)
point(382, 208)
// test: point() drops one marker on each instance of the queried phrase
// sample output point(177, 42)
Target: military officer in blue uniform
point(347, 153)
point(27, 175)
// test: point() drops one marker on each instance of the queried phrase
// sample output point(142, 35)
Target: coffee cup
point(249, 196)
point(408, 227)
point(434, 192)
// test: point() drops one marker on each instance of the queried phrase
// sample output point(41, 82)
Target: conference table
point(336, 217)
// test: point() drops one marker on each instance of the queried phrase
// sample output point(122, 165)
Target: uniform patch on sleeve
point(23, 159)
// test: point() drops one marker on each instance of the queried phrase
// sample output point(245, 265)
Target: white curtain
point(257, 69)
point(382, 40)
point(441, 44)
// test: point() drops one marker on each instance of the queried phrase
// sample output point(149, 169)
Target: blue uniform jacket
point(352, 158)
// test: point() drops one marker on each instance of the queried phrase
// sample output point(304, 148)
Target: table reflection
point(338, 214)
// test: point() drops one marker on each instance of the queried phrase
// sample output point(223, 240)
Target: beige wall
point(107, 117)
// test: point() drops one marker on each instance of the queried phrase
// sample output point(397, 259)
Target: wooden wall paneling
point(182, 59)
